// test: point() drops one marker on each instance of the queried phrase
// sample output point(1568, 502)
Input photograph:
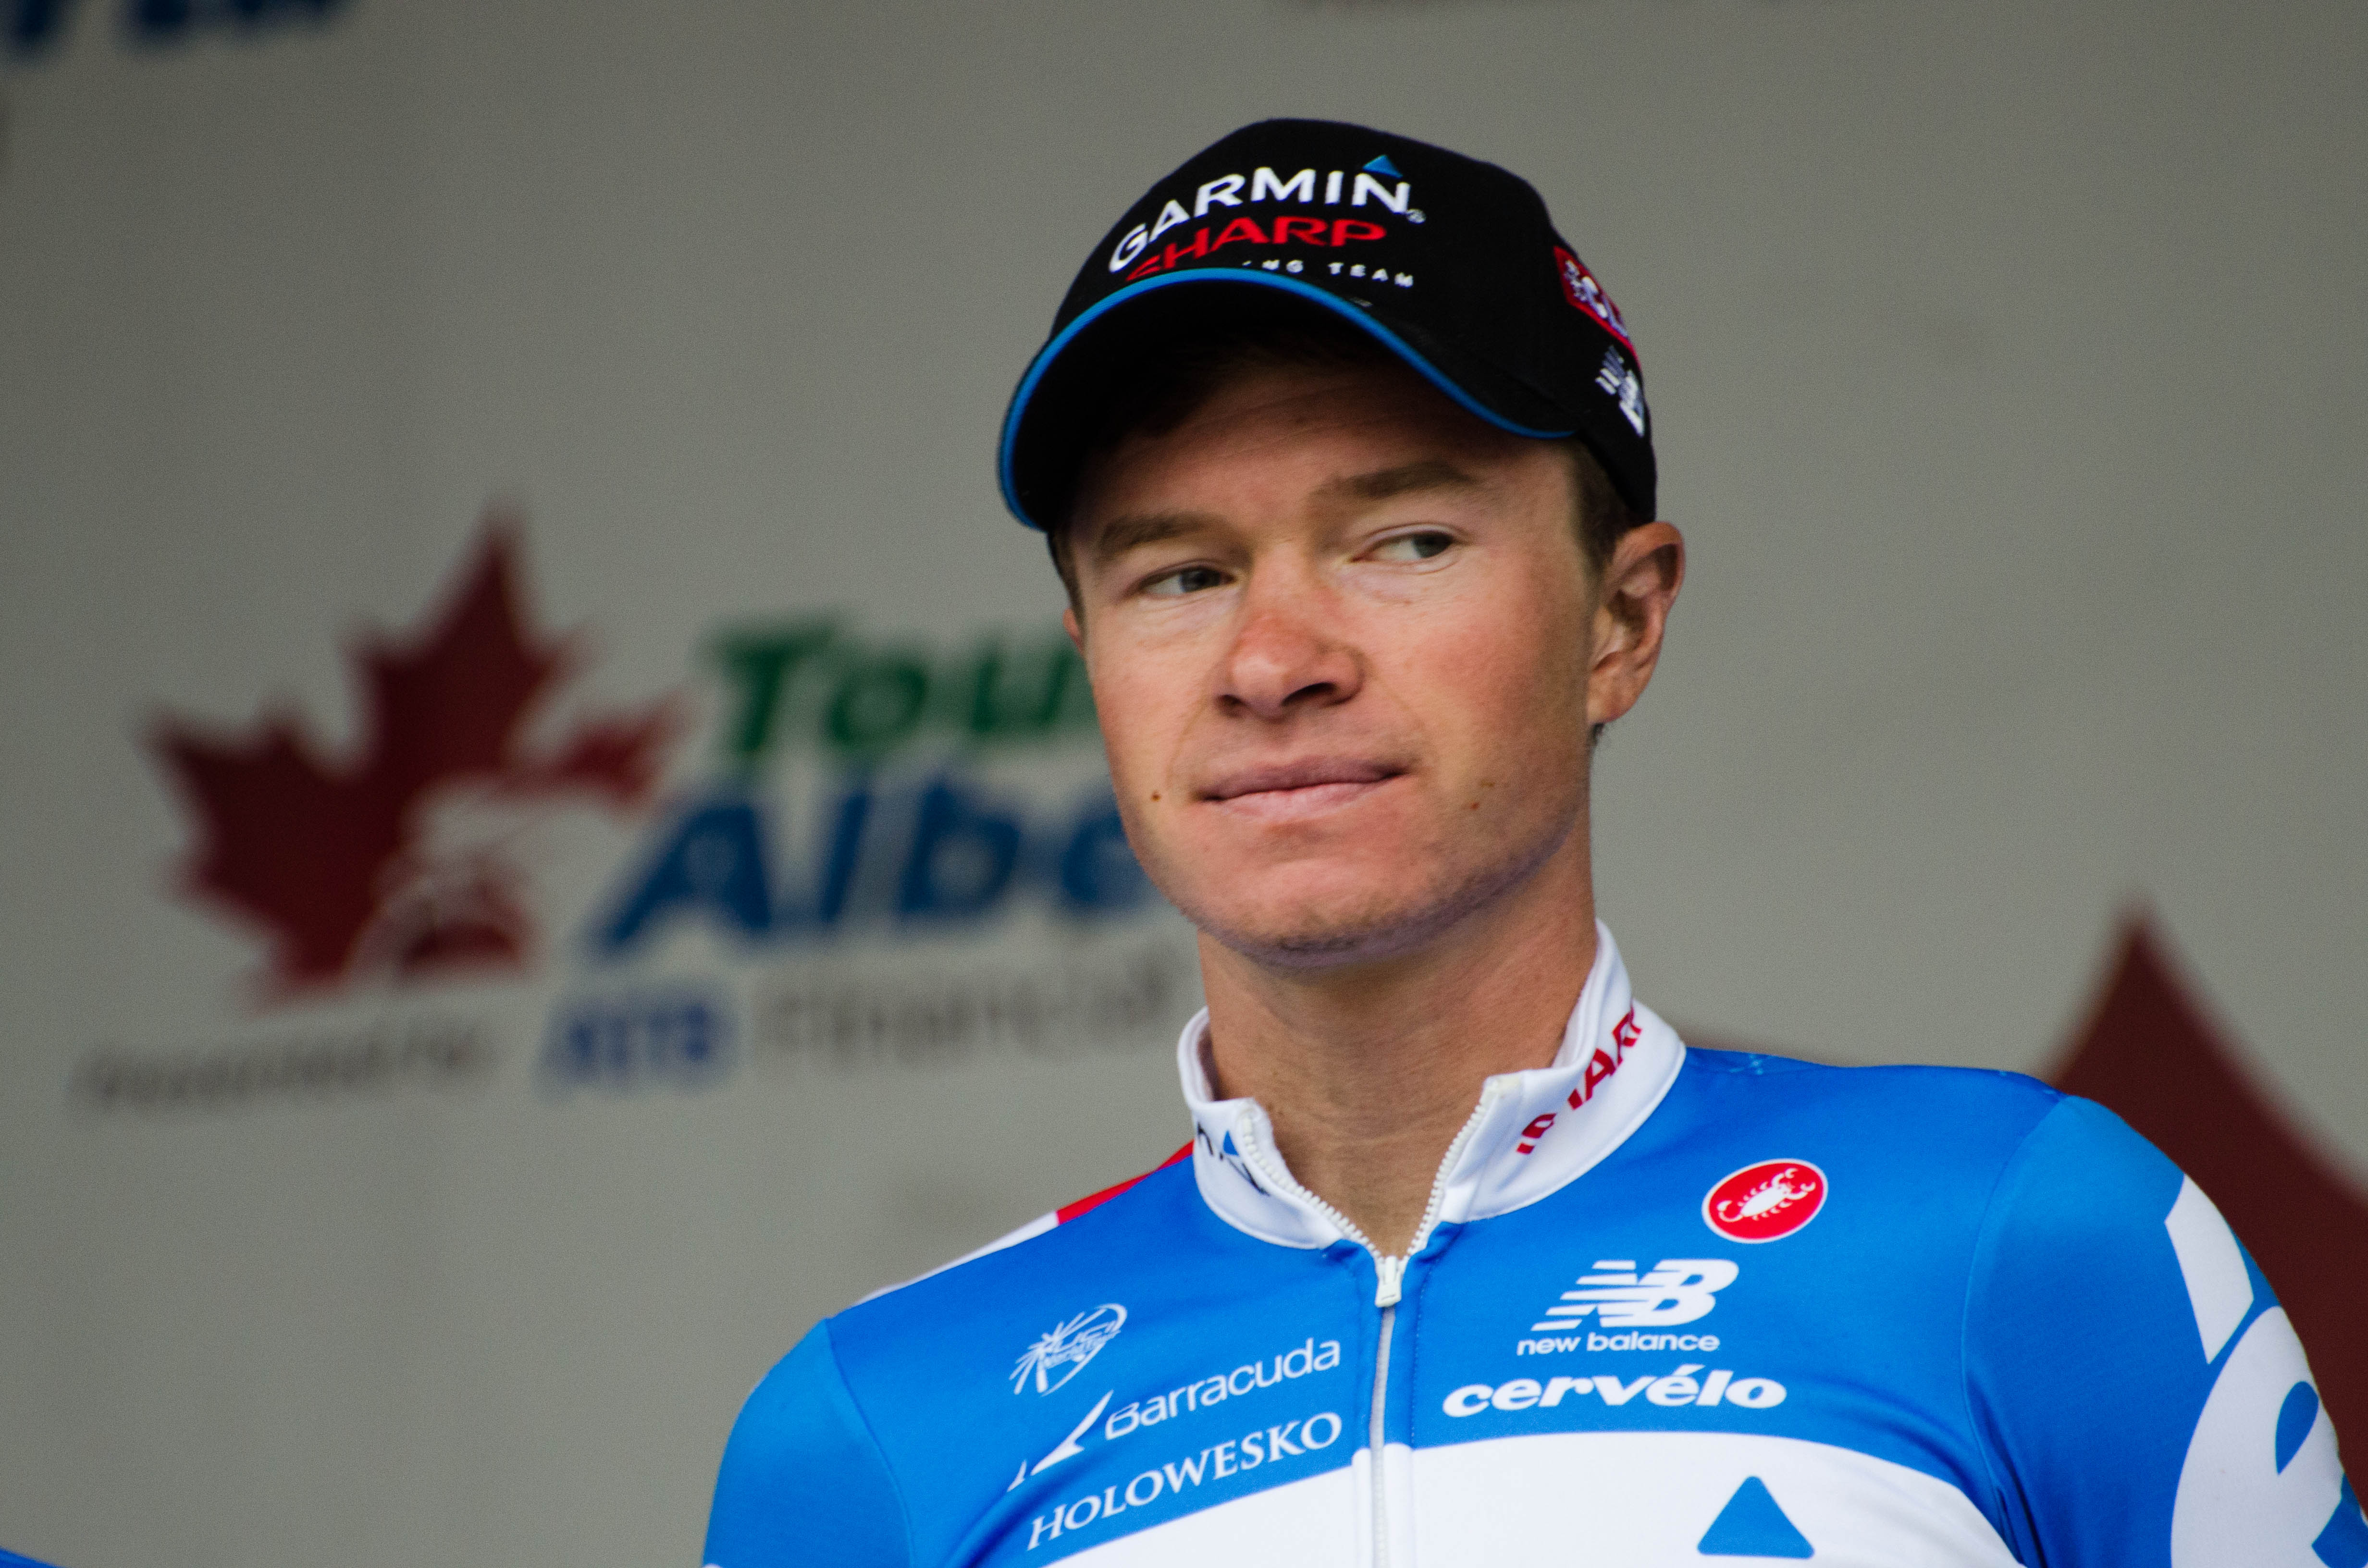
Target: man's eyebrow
point(1121, 534)
point(1406, 479)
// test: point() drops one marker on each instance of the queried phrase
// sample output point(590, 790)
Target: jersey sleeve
point(803, 1480)
point(2140, 1398)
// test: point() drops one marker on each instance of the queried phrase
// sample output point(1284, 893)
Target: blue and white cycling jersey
point(1670, 1306)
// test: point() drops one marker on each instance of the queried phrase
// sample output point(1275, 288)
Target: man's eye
point(1183, 580)
point(1421, 546)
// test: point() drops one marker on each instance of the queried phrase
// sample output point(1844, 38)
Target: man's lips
point(1302, 787)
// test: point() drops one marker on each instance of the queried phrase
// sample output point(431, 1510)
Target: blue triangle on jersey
point(1229, 1148)
point(1382, 166)
point(1751, 1525)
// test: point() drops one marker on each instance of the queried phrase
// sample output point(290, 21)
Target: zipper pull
point(1389, 1274)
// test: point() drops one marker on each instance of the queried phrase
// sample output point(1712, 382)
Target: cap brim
point(1045, 430)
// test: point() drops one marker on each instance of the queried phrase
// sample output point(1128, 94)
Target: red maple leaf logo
point(327, 856)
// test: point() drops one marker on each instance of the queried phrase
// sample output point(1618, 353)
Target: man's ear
point(1632, 611)
point(1077, 633)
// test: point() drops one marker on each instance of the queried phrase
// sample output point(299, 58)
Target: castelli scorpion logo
point(1762, 1202)
point(1778, 1192)
point(1063, 1353)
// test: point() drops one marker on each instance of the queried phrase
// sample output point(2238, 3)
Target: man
point(1345, 461)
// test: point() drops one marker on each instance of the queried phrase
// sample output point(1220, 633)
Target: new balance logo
point(1676, 1290)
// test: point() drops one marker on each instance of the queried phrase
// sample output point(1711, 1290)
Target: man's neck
point(1368, 1071)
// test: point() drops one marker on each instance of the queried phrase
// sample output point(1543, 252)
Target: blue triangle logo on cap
point(1382, 166)
point(1751, 1525)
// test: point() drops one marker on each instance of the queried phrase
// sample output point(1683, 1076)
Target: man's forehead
point(1339, 434)
point(1405, 479)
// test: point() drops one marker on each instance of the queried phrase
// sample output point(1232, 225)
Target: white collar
point(1530, 1134)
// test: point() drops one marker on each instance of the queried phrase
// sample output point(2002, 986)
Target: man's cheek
point(1126, 742)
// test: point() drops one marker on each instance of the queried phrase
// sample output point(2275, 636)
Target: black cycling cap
point(1450, 263)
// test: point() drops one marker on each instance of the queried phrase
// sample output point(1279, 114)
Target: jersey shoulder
point(1927, 1119)
point(1908, 1080)
point(802, 1478)
point(2144, 1396)
point(864, 1406)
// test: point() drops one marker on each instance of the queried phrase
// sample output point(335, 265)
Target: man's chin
point(1339, 937)
point(1336, 920)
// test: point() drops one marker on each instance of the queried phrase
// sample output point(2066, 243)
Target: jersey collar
point(1531, 1133)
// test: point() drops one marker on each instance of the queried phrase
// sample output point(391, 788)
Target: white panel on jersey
point(2218, 1287)
point(2235, 1505)
point(1308, 1524)
point(1648, 1499)
point(1396, 1510)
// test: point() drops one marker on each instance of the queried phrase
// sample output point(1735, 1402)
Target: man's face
point(1338, 631)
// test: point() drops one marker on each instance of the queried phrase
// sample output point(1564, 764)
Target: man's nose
point(1287, 657)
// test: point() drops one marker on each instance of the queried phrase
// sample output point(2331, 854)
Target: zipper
point(1375, 1430)
point(1389, 1277)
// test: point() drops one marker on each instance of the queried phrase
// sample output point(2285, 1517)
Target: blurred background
point(547, 837)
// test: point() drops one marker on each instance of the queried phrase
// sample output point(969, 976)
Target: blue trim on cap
point(1330, 301)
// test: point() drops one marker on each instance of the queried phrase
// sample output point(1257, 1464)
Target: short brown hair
point(1174, 376)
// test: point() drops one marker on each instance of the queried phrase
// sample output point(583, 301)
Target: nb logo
point(1676, 1290)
